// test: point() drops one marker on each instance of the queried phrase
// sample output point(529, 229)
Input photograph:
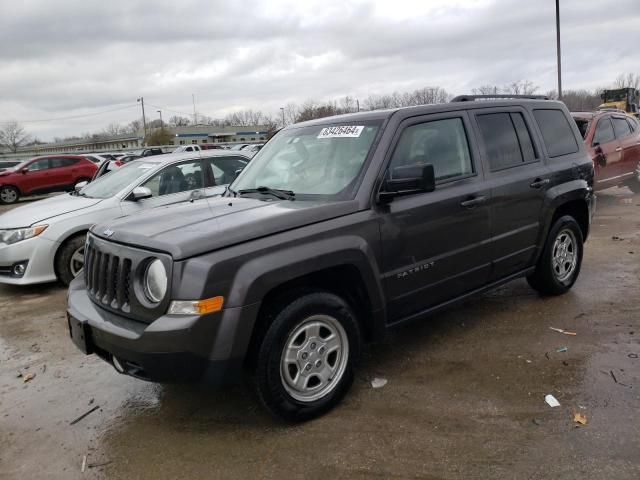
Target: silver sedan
point(44, 240)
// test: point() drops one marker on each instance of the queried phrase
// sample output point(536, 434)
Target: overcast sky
point(73, 57)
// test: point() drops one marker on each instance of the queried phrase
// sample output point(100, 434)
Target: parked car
point(147, 152)
point(106, 167)
point(340, 229)
point(44, 241)
point(253, 148)
point(613, 141)
point(187, 148)
point(239, 146)
point(5, 164)
point(54, 173)
point(95, 158)
point(209, 146)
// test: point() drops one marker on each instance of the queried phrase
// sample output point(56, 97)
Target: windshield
point(108, 185)
point(323, 160)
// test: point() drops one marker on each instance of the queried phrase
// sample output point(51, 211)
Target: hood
point(187, 230)
point(43, 210)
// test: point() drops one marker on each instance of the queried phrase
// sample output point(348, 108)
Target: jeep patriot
point(339, 229)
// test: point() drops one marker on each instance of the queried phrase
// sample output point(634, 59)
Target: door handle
point(539, 182)
point(473, 202)
point(619, 149)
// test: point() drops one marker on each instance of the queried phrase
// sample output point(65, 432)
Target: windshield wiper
point(276, 192)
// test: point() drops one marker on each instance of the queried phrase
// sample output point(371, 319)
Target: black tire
point(9, 195)
point(634, 186)
point(64, 269)
point(289, 317)
point(550, 278)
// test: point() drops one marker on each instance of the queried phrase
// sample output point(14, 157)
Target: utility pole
point(160, 112)
point(558, 49)
point(282, 110)
point(195, 117)
point(144, 120)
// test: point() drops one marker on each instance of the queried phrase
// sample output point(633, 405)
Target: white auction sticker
point(146, 166)
point(345, 131)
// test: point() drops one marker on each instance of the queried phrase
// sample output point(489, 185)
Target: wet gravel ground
point(464, 398)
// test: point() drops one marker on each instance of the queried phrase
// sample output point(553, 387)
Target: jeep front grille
point(108, 278)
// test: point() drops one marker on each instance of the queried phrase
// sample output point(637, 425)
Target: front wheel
point(559, 265)
point(305, 364)
point(9, 195)
point(70, 259)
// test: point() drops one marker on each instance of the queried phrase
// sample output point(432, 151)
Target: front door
point(173, 184)
point(435, 245)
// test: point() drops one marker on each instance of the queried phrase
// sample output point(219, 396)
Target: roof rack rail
point(471, 98)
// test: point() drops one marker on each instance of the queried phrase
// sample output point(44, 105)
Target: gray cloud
point(72, 57)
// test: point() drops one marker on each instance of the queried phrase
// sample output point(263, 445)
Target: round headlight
point(155, 281)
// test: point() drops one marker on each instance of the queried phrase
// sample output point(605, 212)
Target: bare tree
point(178, 121)
point(627, 80)
point(114, 129)
point(13, 136)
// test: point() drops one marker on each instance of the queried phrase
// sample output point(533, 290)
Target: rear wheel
point(9, 195)
point(634, 185)
point(306, 361)
point(559, 265)
point(70, 259)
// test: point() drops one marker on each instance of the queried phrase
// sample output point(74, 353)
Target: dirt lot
point(464, 399)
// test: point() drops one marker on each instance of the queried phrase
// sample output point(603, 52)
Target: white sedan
point(44, 240)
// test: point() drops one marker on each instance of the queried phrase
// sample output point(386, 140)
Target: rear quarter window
point(557, 133)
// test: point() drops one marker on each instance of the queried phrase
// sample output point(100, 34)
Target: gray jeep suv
point(339, 229)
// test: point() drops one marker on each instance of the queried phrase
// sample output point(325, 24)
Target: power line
point(71, 116)
point(169, 110)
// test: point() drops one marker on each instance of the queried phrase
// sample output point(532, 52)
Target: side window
point(62, 162)
point(176, 178)
point(604, 132)
point(557, 134)
point(39, 165)
point(632, 124)
point(621, 127)
point(442, 143)
point(506, 140)
point(224, 169)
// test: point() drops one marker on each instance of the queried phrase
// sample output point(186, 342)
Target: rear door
point(435, 244)
point(518, 179)
point(629, 144)
point(608, 153)
point(61, 169)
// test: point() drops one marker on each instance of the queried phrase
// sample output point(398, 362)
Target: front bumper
point(173, 349)
point(38, 251)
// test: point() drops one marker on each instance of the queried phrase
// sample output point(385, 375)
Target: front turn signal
point(196, 307)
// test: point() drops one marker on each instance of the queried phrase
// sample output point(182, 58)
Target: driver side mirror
point(409, 179)
point(601, 158)
point(24, 170)
point(80, 185)
point(140, 193)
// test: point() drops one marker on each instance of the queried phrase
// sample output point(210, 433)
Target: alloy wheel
point(564, 256)
point(314, 358)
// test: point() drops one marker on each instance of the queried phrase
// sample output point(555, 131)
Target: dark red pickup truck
point(613, 140)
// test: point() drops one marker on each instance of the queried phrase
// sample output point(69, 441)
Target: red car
point(613, 140)
point(54, 173)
